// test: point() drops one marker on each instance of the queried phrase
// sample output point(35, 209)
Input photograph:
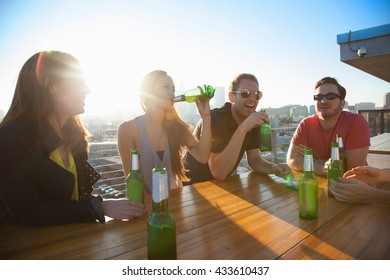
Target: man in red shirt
point(319, 131)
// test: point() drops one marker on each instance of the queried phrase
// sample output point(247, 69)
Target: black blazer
point(34, 190)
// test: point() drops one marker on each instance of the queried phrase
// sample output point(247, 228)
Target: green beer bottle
point(335, 169)
point(265, 131)
point(308, 188)
point(134, 181)
point(198, 92)
point(161, 224)
point(342, 153)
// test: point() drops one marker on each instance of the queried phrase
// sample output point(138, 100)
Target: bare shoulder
point(127, 127)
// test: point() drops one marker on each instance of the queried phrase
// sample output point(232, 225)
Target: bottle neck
point(308, 165)
point(160, 207)
point(340, 142)
point(335, 153)
point(179, 98)
point(134, 162)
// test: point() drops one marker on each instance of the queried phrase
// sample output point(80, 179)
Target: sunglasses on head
point(246, 92)
point(328, 96)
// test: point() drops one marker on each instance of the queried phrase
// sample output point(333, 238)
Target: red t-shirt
point(352, 127)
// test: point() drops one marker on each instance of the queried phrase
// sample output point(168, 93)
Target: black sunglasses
point(246, 92)
point(328, 96)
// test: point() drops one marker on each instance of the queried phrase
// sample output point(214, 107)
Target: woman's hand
point(120, 209)
point(203, 107)
point(370, 175)
point(351, 190)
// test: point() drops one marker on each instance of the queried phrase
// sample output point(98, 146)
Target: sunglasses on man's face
point(246, 92)
point(328, 96)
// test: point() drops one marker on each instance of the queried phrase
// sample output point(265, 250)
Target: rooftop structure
point(367, 50)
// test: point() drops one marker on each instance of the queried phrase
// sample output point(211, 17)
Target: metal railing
point(378, 120)
point(104, 157)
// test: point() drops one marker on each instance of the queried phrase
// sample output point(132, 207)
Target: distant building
point(386, 101)
point(298, 111)
point(312, 110)
point(364, 106)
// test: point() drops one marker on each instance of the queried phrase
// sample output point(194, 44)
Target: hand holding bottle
point(203, 106)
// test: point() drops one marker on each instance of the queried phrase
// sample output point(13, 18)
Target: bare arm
point(201, 149)
point(295, 159)
point(126, 141)
point(261, 165)
point(357, 157)
point(221, 164)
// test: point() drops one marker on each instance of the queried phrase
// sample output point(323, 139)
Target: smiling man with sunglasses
point(319, 131)
point(235, 130)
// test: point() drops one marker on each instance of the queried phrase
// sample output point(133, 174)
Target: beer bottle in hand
point(198, 92)
point(265, 131)
point(342, 153)
point(335, 169)
point(308, 188)
point(134, 181)
point(161, 224)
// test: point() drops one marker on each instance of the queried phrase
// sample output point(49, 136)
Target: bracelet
point(96, 203)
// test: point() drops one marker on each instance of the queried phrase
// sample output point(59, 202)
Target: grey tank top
point(149, 158)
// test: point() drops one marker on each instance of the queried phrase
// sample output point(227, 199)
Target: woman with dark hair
point(45, 178)
point(159, 135)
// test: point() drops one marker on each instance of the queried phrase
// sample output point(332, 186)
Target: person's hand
point(203, 107)
point(256, 119)
point(120, 209)
point(351, 190)
point(367, 174)
point(327, 163)
point(281, 170)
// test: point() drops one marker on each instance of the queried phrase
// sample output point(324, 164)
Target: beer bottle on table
point(198, 92)
point(265, 131)
point(161, 224)
point(308, 188)
point(335, 169)
point(342, 153)
point(134, 181)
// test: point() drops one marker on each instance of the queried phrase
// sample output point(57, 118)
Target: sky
point(287, 45)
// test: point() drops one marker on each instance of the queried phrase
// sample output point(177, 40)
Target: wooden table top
point(248, 216)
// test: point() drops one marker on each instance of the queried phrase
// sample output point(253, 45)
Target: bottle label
point(160, 190)
point(308, 163)
point(134, 162)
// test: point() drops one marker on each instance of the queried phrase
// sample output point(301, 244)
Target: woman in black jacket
point(45, 178)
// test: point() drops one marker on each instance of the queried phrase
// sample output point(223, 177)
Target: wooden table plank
point(361, 232)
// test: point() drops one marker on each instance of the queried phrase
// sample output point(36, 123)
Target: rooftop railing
point(104, 157)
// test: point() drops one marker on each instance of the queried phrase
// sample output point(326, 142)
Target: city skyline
point(288, 45)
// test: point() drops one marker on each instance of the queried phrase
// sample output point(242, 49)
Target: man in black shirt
point(235, 130)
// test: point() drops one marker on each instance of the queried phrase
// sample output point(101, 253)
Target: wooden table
point(248, 216)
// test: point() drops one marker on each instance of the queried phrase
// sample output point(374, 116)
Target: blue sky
point(288, 45)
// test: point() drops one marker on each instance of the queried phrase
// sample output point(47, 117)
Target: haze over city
point(288, 45)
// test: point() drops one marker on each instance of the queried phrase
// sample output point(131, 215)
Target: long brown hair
point(31, 101)
point(175, 127)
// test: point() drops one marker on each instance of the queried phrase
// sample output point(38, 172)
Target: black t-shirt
point(223, 127)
